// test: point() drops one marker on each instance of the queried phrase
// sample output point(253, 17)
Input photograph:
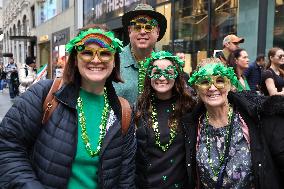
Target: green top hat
point(144, 9)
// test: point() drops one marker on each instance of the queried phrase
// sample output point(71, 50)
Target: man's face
point(232, 46)
point(11, 60)
point(143, 34)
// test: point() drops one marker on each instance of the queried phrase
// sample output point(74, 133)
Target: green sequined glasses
point(218, 81)
point(104, 54)
point(139, 26)
point(154, 72)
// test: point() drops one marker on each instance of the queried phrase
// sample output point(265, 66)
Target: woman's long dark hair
point(184, 101)
point(233, 58)
point(71, 73)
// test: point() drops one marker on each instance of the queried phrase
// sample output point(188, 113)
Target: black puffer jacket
point(35, 156)
point(267, 156)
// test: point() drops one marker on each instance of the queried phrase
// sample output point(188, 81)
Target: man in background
point(230, 43)
point(12, 78)
point(253, 73)
point(27, 74)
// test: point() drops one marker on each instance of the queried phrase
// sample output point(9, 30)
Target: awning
point(23, 38)
point(7, 54)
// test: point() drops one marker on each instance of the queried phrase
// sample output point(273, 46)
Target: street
point(5, 103)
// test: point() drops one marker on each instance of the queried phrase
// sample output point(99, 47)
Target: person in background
point(230, 43)
point(82, 145)
point(145, 27)
point(27, 74)
point(12, 78)
point(253, 73)
point(2, 78)
point(160, 156)
point(239, 60)
point(225, 134)
point(272, 79)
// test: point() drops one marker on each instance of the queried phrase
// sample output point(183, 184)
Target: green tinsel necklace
point(226, 145)
point(103, 124)
point(141, 73)
point(155, 126)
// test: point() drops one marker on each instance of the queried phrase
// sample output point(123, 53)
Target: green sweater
point(84, 167)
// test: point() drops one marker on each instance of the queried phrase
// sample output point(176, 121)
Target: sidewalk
point(5, 103)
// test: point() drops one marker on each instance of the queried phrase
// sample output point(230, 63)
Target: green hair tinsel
point(213, 69)
point(116, 44)
point(163, 55)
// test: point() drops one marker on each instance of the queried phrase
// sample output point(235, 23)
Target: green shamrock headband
point(106, 36)
point(160, 55)
point(213, 69)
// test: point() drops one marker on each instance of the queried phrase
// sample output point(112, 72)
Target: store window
point(279, 24)
point(88, 14)
point(65, 4)
point(164, 43)
point(199, 31)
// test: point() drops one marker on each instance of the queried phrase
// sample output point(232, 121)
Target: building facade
point(55, 26)
point(17, 34)
point(38, 28)
point(197, 27)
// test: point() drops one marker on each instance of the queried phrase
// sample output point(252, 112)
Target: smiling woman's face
point(216, 93)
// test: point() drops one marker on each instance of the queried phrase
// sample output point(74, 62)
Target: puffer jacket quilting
point(54, 149)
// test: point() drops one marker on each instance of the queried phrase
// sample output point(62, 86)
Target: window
point(278, 24)
point(65, 4)
point(33, 16)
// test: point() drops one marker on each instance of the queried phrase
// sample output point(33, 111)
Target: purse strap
point(50, 102)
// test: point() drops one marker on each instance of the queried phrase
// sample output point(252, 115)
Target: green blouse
point(84, 167)
point(240, 86)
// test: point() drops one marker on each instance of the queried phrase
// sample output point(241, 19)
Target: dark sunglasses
point(281, 56)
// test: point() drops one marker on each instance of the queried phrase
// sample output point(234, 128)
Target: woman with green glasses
point(160, 157)
point(229, 143)
point(85, 143)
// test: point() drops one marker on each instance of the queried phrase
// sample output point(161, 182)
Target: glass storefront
point(278, 34)
point(197, 27)
point(59, 55)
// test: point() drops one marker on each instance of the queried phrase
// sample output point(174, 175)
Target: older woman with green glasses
point(226, 147)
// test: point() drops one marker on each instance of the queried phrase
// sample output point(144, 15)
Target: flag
point(41, 74)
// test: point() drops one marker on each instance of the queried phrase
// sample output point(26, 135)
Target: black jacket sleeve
point(18, 132)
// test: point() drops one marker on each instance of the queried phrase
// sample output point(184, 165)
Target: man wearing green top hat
point(145, 27)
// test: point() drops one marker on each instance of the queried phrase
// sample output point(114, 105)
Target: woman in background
point(239, 60)
point(273, 77)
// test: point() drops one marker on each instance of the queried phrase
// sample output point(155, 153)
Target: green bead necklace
point(141, 77)
point(173, 132)
point(208, 144)
point(103, 124)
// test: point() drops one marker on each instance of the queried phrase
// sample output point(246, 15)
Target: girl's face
point(163, 77)
point(95, 65)
point(243, 61)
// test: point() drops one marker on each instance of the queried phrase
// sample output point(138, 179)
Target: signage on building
point(43, 38)
point(103, 7)
point(61, 37)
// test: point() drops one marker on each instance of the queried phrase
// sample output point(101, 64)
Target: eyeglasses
point(206, 82)
point(104, 54)
point(154, 72)
point(281, 56)
point(139, 26)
